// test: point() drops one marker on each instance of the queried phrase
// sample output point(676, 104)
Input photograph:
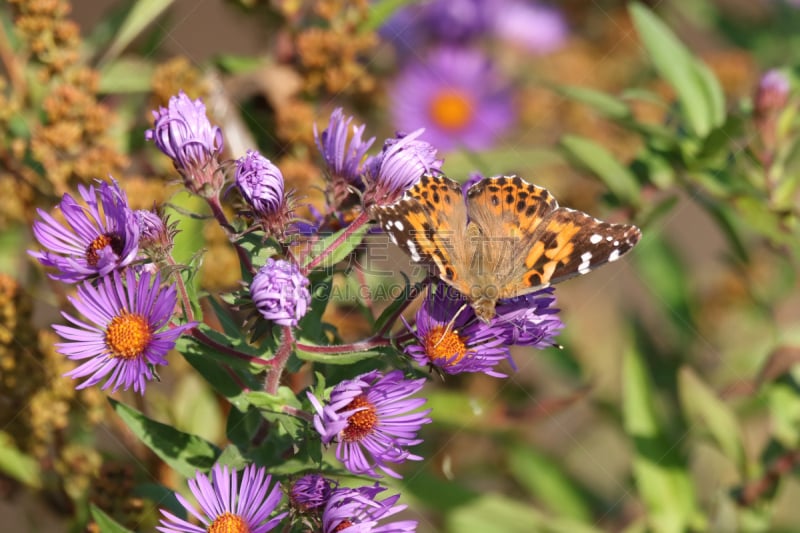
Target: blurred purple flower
point(536, 27)
point(183, 132)
point(227, 506)
point(103, 235)
point(120, 338)
point(358, 511)
point(280, 292)
point(457, 96)
point(457, 21)
point(772, 93)
point(372, 421)
point(399, 165)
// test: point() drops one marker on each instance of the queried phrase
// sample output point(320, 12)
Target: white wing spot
point(613, 256)
point(609, 238)
point(392, 238)
point(616, 243)
point(398, 225)
point(584, 267)
point(412, 250)
point(594, 239)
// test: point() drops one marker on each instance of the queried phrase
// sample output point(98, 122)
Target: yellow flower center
point(443, 344)
point(228, 523)
point(359, 424)
point(100, 242)
point(451, 109)
point(128, 335)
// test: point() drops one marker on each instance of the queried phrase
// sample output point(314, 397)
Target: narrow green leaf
point(162, 497)
point(495, 512)
point(661, 476)
point(547, 482)
point(127, 75)
point(605, 104)
point(183, 452)
point(142, 13)
point(17, 465)
point(707, 411)
point(697, 90)
point(344, 358)
point(619, 179)
point(105, 522)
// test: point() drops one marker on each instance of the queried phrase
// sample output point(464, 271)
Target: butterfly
point(503, 238)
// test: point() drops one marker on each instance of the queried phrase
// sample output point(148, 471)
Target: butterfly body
point(505, 237)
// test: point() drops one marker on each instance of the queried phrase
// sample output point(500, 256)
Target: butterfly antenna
point(450, 325)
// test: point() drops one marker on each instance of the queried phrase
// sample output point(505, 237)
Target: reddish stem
point(360, 220)
point(278, 362)
point(227, 350)
point(360, 346)
point(219, 215)
point(187, 304)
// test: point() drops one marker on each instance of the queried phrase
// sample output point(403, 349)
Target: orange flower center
point(128, 335)
point(360, 424)
point(228, 523)
point(451, 109)
point(342, 526)
point(100, 242)
point(443, 344)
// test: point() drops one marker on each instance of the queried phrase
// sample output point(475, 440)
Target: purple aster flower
point(311, 492)
point(538, 28)
point(528, 320)
point(280, 292)
point(400, 165)
point(103, 235)
point(358, 511)
point(457, 96)
point(451, 338)
point(343, 157)
point(226, 505)
point(371, 418)
point(183, 132)
point(120, 341)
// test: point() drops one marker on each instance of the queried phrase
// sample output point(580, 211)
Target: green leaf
point(380, 12)
point(606, 104)
point(209, 363)
point(619, 179)
point(105, 522)
point(15, 464)
point(12, 242)
point(661, 476)
point(706, 411)
point(546, 482)
point(183, 452)
point(343, 249)
point(499, 161)
point(128, 75)
point(342, 358)
point(495, 512)
point(142, 13)
point(163, 497)
point(699, 94)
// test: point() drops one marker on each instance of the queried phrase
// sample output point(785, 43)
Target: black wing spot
point(533, 279)
point(521, 205)
point(493, 188)
point(436, 197)
point(510, 198)
point(530, 211)
point(449, 272)
point(495, 200)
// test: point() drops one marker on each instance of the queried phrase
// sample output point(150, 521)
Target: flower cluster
point(124, 338)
